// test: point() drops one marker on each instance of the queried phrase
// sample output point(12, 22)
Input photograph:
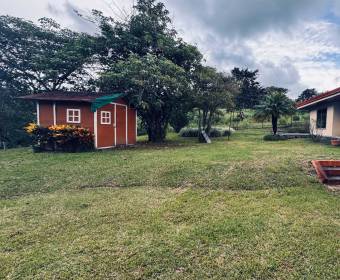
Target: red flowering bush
point(64, 138)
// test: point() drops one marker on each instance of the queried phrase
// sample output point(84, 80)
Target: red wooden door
point(105, 124)
point(121, 123)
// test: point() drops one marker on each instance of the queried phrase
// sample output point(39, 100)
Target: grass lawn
point(243, 209)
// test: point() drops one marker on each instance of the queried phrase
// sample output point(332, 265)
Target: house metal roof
point(65, 96)
point(319, 98)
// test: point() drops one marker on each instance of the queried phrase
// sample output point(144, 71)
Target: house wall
point(45, 113)
point(132, 126)
point(336, 120)
point(328, 131)
point(86, 116)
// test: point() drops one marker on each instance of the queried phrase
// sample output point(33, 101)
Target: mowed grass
point(238, 209)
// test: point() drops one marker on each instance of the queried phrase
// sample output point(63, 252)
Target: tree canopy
point(251, 92)
point(45, 56)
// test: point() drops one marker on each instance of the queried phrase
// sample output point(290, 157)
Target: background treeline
point(164, 77)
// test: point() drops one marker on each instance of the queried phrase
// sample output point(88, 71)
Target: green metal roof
point(104, 100)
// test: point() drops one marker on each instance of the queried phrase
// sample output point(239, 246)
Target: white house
point(324, 110)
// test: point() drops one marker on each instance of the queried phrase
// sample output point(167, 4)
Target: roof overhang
point(329, 98)
point(97, 100)
point(321, 98)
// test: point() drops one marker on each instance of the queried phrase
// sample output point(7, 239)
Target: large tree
point(306, 94)
point(147, 31)
point(213, 91)
point(274, 105)
point(149, 35)
point(251, 92)
point(34, 58)
point(44, 57)
point(155, 86)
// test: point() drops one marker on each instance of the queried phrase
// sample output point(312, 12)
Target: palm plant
point(274, 105)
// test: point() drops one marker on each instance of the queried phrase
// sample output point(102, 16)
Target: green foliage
point(179, 119)
point(43, 57)
point(213, 91)
point(214, 132)
point(147, 31)
point(306, 94)
point(154, 86)
point(275, 105)
point(283, 121)
point(275, 137)
point(296, 118)
point(251, 91)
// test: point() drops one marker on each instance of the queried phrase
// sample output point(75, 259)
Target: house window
point(73, 115)
point(321, 118)
point(105, 117)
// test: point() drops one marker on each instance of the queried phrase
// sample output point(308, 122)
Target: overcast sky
point(294, 43)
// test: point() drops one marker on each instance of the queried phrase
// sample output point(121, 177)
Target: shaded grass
point(176, 211)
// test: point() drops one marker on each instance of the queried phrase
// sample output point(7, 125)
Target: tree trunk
point(156, 129)
point(274, 124)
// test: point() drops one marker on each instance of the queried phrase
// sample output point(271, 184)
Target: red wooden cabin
point(111, 120)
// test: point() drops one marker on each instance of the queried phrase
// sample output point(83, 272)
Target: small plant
point(64, 138)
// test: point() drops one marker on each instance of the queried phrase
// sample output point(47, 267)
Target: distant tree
point(274, 105)
point(306, 94)
point(251, 91)
point(213, 91)
point(154, 86)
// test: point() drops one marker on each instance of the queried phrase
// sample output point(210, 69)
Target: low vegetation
point(238, 209)
point(214, 132)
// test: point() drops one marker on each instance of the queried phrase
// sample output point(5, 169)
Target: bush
point(64, 138)
point(296, 118)
point(272, 137)
point(283, 122)
point(214, 133)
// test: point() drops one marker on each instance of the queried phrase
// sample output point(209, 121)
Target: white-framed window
point(73, 116)
point(105, 117)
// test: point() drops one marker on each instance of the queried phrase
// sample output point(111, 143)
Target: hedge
point(214, 133)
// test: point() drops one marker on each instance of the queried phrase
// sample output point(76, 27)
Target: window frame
point(102, 117)
point(321, 118)
point(68, 115)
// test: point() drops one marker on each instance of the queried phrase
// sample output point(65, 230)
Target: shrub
point(272, 137)
point(297, 129)
point(283, 122)
point(64, 138)
point(296, 118)
point(214, 133)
